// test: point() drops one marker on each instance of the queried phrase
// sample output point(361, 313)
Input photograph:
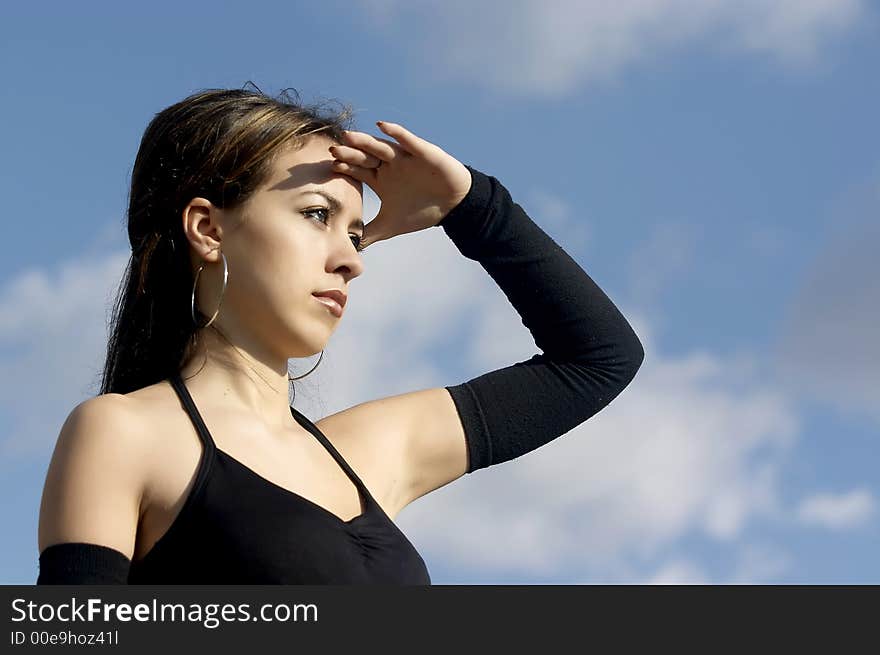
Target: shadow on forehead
point(299, 175)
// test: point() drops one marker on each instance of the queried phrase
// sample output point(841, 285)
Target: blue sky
point(712, 165)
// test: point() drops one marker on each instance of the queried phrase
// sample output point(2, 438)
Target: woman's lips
point(331, 304)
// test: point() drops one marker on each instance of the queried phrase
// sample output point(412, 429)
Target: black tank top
point(236, 527)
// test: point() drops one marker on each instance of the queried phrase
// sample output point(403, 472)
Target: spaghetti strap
point(303, 420)
point(193, 412)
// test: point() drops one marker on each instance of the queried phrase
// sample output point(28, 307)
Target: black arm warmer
point(590, 352)
point(81, 563)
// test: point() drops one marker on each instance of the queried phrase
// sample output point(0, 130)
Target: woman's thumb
point(372, 233)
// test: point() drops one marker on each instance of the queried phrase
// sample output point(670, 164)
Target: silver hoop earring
point(222, 291)
point(290, 379)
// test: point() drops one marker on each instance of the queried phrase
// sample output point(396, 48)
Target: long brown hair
point(218, 144)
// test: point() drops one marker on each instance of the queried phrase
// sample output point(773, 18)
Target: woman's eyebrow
point(335, 205)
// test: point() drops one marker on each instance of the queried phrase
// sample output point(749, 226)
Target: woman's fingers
point(355, 156)
point(413, 144)
point(384, 150)
point(366, 175)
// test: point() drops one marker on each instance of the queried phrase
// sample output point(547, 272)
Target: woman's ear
point(201, 227)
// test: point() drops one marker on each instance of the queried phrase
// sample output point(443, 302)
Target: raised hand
point(417, 181)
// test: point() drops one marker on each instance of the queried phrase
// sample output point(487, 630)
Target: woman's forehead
point(311, 167)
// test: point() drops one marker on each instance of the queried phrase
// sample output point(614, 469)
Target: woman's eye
point(319, 209)
point(356, 240)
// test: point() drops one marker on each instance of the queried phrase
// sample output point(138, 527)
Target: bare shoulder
point(94, 481)
point(414, 441)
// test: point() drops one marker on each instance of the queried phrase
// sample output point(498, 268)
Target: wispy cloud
point(664, 257)
point(828, 351)
point(838, 511)
point(755, 564)
point(760, 564)
point(53, 336)
point(552, 47)
point(678, 572)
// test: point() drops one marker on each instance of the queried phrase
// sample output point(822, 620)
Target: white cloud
point(792, 30)
point(678, 572)
point(760, 564)
point(558, 220)
point(53, 335)
point(755, 564)
point(837, 511)
point(553, 46)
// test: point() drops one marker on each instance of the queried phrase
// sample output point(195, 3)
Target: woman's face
point(284, 244)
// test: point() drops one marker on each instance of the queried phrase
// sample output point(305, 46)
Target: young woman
point(191, 466)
